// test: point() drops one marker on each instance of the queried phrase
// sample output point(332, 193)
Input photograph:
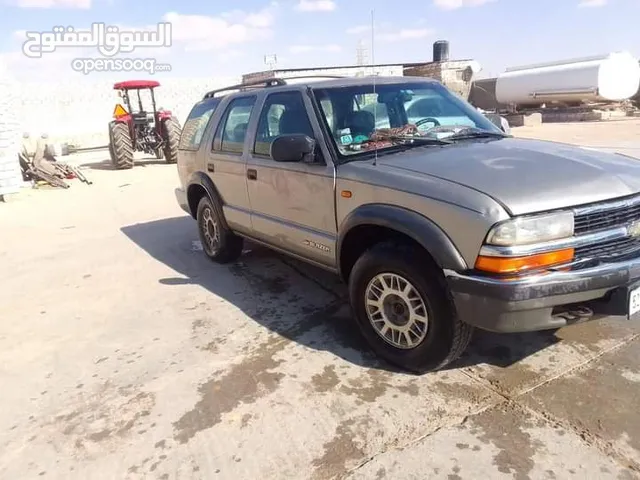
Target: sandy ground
point(125, 354)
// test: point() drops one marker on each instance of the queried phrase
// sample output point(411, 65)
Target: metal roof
point(135, 84)
point(337, 67)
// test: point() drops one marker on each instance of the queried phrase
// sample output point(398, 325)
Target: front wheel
point(218, 242)
point(403, 308)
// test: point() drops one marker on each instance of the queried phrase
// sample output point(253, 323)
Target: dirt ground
point(125, 354)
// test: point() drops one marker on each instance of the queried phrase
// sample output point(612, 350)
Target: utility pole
point(362, 55)
point(271, 61)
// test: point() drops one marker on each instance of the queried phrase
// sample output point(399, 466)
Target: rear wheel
point(120, 148)
point(218, 242)
point(171, 136)
point(404, 310)
point(112, 155)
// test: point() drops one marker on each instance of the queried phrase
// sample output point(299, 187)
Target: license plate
point(634, 301)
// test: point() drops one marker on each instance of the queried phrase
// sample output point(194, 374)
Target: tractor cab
point(140, 126)
point(129, 92)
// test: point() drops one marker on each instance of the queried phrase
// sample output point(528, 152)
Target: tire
point(228, 246)
point(121, 146)
point(171, 136)
point(159, 153)
point(112, 155)
point(446, 336)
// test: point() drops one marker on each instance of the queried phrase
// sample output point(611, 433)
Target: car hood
point(525, 176)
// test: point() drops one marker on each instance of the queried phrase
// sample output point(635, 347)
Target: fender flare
point(414, 225)
point(201, 179)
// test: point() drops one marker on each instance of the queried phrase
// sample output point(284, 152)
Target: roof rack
point(270, 82)
point(316, 76)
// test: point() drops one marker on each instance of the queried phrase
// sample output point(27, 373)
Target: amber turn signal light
point(521, 264)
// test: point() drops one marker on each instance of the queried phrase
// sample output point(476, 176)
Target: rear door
point(191, 137)
point(292, 204)
point(226, 162)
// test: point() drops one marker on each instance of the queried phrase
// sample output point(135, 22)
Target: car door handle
point(210, 167)
point(252, 174)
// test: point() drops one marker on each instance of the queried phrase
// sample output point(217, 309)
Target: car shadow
point(328, 327)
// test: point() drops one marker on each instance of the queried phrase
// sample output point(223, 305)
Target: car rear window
point(196, 123)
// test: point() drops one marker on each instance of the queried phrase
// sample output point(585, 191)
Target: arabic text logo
point(108, 40)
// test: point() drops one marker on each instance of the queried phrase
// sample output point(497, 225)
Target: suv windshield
point(366, 117)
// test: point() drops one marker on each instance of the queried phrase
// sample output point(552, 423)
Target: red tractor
point(134, 129)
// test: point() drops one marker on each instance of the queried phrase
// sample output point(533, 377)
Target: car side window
point(282, 113)
point(234, 124)
point(327, 108)
point(196, 124)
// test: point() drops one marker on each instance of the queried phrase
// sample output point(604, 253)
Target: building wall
point(79, 112)
point(10, 137)
point(454, 74)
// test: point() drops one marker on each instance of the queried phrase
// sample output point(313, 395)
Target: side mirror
point(293, 148)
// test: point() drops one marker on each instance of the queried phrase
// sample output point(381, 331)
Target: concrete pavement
point(124, 353)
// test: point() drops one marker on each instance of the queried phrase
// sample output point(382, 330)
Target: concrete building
point(10, 136)
point(455, 74)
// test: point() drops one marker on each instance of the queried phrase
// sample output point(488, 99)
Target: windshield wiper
point(420, 140)
point(476, 134)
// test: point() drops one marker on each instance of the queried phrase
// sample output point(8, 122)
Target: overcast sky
point(215, 38)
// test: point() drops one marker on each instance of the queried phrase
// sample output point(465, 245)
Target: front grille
point(621, 213)
point(606, 216)
point(621, 247)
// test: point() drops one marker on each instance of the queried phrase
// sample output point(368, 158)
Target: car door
point(292, 204)
point(226, 163)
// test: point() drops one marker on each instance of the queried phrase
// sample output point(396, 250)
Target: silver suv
point(438, 224)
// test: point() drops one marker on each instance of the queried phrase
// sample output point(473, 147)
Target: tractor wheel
point(159, 153)
point(171, 136)
point(122, 156)
point(112, 154)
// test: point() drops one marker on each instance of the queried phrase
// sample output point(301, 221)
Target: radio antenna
point(373, 72)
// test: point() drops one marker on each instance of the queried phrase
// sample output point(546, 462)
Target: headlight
point(534, 229)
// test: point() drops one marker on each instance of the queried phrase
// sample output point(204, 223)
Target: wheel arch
point(371, 223)
point(198, 185)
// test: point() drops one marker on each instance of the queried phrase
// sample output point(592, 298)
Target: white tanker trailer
point(605, 78)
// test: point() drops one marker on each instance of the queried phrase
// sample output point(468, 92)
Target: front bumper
point(181, 197)
point(537, 302)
